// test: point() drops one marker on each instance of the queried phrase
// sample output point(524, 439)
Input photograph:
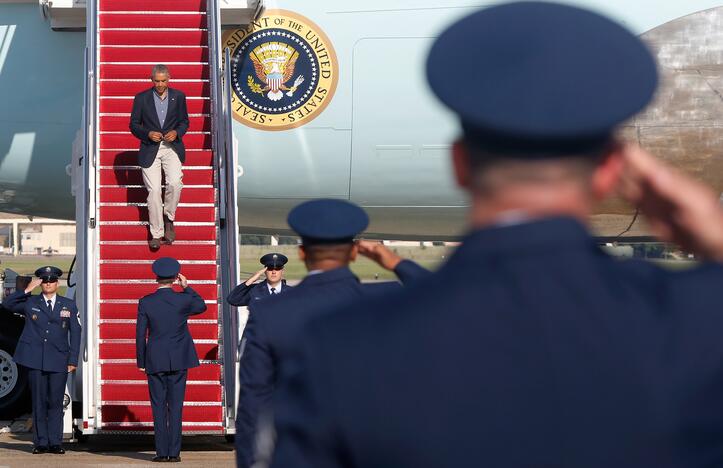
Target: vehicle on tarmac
point(14, 394)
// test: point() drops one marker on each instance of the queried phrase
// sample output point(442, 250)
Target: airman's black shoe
point(40, 449)
point(160, 459)
point(57, 449)
point(174, 459)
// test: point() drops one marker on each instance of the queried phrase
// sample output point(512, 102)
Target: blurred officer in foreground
point(168, 353)
point(530, 347)
point(274, 283)
point(327, 229)
point(49, 347)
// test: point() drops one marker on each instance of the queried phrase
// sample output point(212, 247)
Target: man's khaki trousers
point(166, 160)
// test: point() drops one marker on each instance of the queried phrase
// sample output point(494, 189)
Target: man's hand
point(170, 136)
point(142, 369)
point(377, 252)
point(34, 283)
point(182, 281)
point(71, 368)
point(155, 136)
point(678, 208)
point(255, 277)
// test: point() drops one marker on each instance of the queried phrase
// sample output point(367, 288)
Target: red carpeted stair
point(133, 36)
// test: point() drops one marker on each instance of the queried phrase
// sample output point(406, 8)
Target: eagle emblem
point(274, 64)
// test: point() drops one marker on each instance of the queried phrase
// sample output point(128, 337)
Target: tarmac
point(16, 445)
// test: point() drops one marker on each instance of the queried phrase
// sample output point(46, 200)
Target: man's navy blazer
point(273, 329)
point(530, 348)
point(164, 316)
point(243, 295)
point(144, 119)
point(50, 340)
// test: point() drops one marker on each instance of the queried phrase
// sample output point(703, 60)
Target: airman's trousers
point(47, 390)
point(167, 162)
point(167, 391)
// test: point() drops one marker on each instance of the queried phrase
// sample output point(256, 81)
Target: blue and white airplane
point(376, 137)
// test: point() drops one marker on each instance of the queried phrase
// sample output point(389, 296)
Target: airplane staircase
point(126, 38)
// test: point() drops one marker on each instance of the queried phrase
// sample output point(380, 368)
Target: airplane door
point(400, 134)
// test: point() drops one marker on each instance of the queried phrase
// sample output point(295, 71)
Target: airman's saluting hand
point(678, 208)
point(34, 283)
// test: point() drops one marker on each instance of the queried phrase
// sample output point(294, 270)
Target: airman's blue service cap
point(537, 78)
point(49, 274)
point(166, 267)
point(274, 261)
point(327, 221)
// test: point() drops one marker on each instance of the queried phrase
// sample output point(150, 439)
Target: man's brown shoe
point(169, 233)
point(154, 244)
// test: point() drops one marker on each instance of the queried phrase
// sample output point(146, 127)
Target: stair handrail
point(222, 137)
point(86, 203)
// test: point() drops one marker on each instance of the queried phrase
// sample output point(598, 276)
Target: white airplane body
point(377, 138)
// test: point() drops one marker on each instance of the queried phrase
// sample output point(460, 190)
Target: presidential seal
point(283, 70)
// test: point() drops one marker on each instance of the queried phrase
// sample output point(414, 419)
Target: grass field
point(27, 264)
point(430, 257)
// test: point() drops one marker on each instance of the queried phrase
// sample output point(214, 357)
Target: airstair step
point(114, 232)
point(131, 372)
point(189, 428)
point(144, 413)
point(125, 392)
point(130, 158)
point(143, 271)
point(142, 252)
point(205, 351)
point(120, 176)
point(121, 124)
point(143, 72)
point(131, 88)
point(160, 6)
point(111, 331)
point(153, 37)
point(124, 105)
point(129, 310)
point(140, 194)
point(153, 54)
point(112, 141)
point(133, 213)
point(131, 20)
point(138, 290)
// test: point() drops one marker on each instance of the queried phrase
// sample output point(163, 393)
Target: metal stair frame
point(226, 162)
point(87, 234)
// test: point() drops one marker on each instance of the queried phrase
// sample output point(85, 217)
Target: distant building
point(36, 236)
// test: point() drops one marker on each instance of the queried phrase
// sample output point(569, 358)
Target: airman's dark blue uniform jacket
point(164, 315)
point(273, 329)
point(243, 295)
point(50, 340)
point(530, 348)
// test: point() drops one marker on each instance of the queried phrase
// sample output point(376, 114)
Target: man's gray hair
point(160, 68)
